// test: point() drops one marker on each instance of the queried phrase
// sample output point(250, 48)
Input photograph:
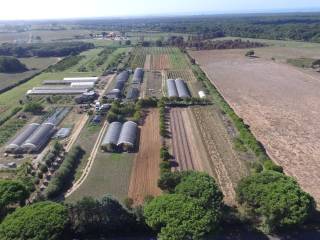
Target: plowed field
point(281, 105)
point(146, 172)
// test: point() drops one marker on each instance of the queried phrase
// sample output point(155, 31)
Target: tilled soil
point(146, 172)
point(281, 105)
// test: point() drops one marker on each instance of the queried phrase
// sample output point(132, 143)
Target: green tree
point(33, 107)
point(44, 220)
point(202, 187)
point(12, 192)
point(100, 217)
point(274, 200)
point(176, 216)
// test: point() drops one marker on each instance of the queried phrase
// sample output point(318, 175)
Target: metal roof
point(172, 89)
point(39, 137)
point(182, 88)
point(133, 93)
point(85, 79)
point(63, 133)
point(138, 76)
point(113, 133)
point(22, 136)
point(123, 76)
point(128, 133)
point(119, 86)
point(82, 84)
point(64, 82)
point(70, 91)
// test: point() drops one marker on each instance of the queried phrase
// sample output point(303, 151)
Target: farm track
point(90, 162)
point(78, 128)
point(145, 171)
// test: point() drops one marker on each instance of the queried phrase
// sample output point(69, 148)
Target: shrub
point(33, 107)
point(269, 165)
point(64, 174)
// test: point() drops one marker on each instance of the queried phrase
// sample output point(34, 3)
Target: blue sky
point(48, 9)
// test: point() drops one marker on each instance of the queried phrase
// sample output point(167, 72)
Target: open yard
point(265, 94)
point(146, 172)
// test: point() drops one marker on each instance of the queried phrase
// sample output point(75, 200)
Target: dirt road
point(90, 161)
point(145, 171)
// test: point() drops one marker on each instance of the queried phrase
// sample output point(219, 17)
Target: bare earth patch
point(145, 171)
point(281, 105)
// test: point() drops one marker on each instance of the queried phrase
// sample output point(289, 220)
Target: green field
point(110, 174)
point(10, 99)
point(35, 65)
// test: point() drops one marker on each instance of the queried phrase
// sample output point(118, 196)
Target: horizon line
point(178, 14)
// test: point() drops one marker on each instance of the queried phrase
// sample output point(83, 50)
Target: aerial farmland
point(151, 131)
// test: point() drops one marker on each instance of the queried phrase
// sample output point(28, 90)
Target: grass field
point(10, 99)
point(110, 174)
point(35, 65)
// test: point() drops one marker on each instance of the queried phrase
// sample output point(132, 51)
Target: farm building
point(16, 143)
point(110, 141)
point(39, 138)
point(128, 136)
point(65, 91)
point(121, 79)
point(133, 94)
point(182, 88)
point(123, 76)
point(86, 97)
point(120, 137)
point(82, 84)
point(63, 133)
point(65, 82)
point(113, 95)
point(138, 76)
point(84, 79)
point(172, 89)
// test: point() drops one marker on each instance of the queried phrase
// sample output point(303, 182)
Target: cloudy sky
point(55, 9)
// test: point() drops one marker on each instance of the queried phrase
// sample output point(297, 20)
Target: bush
point(269, 165)
point(164, 154)
point(165, 167)
point(33, 107)
point(44, 220)
point(274, 201)
point(64, 174)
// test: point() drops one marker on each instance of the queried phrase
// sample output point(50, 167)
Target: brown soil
point(146, 172)
point(281, 105)
point(160, 62)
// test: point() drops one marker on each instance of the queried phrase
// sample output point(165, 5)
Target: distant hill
point(11, 65)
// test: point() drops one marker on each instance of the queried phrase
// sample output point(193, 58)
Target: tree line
point(56, 49)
